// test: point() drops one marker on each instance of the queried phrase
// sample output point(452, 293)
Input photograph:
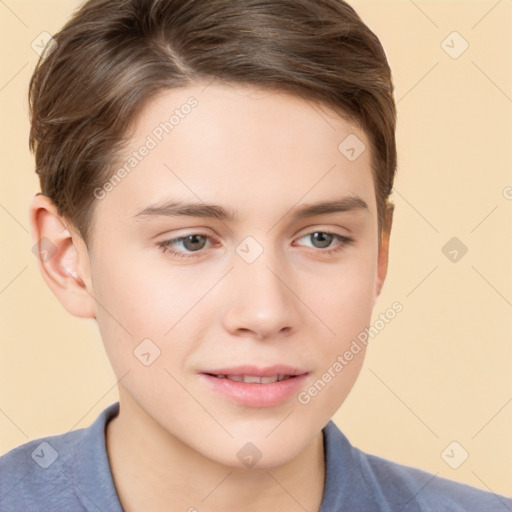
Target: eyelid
point(342, 242)
point(306, 231)
point(169, 242)
point(318, 228)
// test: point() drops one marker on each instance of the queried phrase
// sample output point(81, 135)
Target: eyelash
point(344, 241)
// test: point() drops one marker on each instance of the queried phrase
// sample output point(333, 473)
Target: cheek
point(338, 353)
point(343, 298)
point(142, 298)
point(147, 309)
point(344, 302)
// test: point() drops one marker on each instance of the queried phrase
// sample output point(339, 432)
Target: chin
point(258, 451)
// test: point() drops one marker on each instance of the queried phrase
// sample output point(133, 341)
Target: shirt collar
point(96, 490)
point(343, 478)
point(95, 485)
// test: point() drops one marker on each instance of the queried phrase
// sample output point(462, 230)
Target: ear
point(63, 257)
point(382, 262)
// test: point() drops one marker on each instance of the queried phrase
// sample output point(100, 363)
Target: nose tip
point(261, 303)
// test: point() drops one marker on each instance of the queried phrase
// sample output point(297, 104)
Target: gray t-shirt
point(71, 473)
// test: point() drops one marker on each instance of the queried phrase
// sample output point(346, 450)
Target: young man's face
point(260, 289)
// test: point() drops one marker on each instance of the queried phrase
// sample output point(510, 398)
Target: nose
point(263, 302)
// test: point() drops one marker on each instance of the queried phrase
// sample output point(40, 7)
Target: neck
point(153, 470)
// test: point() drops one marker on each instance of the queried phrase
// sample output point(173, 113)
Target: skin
point(262, 154)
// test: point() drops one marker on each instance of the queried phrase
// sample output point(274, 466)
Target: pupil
point(193, 239)
point(323, 238)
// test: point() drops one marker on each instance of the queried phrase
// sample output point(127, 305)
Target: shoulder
point(61, 472)
point(416, 489)
point(37, 475)
point(372, 483)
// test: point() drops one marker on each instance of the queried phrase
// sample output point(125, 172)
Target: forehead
point(235, 117)
point(251, 149)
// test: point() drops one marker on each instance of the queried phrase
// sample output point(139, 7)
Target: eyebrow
point(179, 208)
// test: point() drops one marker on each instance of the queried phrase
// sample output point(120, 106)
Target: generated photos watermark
point(152, 140)
point(342, 360)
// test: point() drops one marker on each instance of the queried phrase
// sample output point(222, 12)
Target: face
point(256, 288)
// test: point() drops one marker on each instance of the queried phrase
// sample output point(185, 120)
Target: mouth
point(259, 374)
point(250, 379)
point(257, 387)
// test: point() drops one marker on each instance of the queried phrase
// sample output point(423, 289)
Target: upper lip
point(260, 371)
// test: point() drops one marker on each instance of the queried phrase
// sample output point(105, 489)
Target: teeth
point(237, 378)
point(268, 380)
point(250, 379)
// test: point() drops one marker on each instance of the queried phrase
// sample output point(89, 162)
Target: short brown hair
point(113, 56)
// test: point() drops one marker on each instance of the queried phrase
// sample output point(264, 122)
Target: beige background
point(441, 370)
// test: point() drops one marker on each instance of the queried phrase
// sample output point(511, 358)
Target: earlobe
point(62, 256)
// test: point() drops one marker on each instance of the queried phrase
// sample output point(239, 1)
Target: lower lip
point(255, 394)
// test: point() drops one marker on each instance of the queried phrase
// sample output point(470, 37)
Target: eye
point(194, 242)
point(323, 239)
